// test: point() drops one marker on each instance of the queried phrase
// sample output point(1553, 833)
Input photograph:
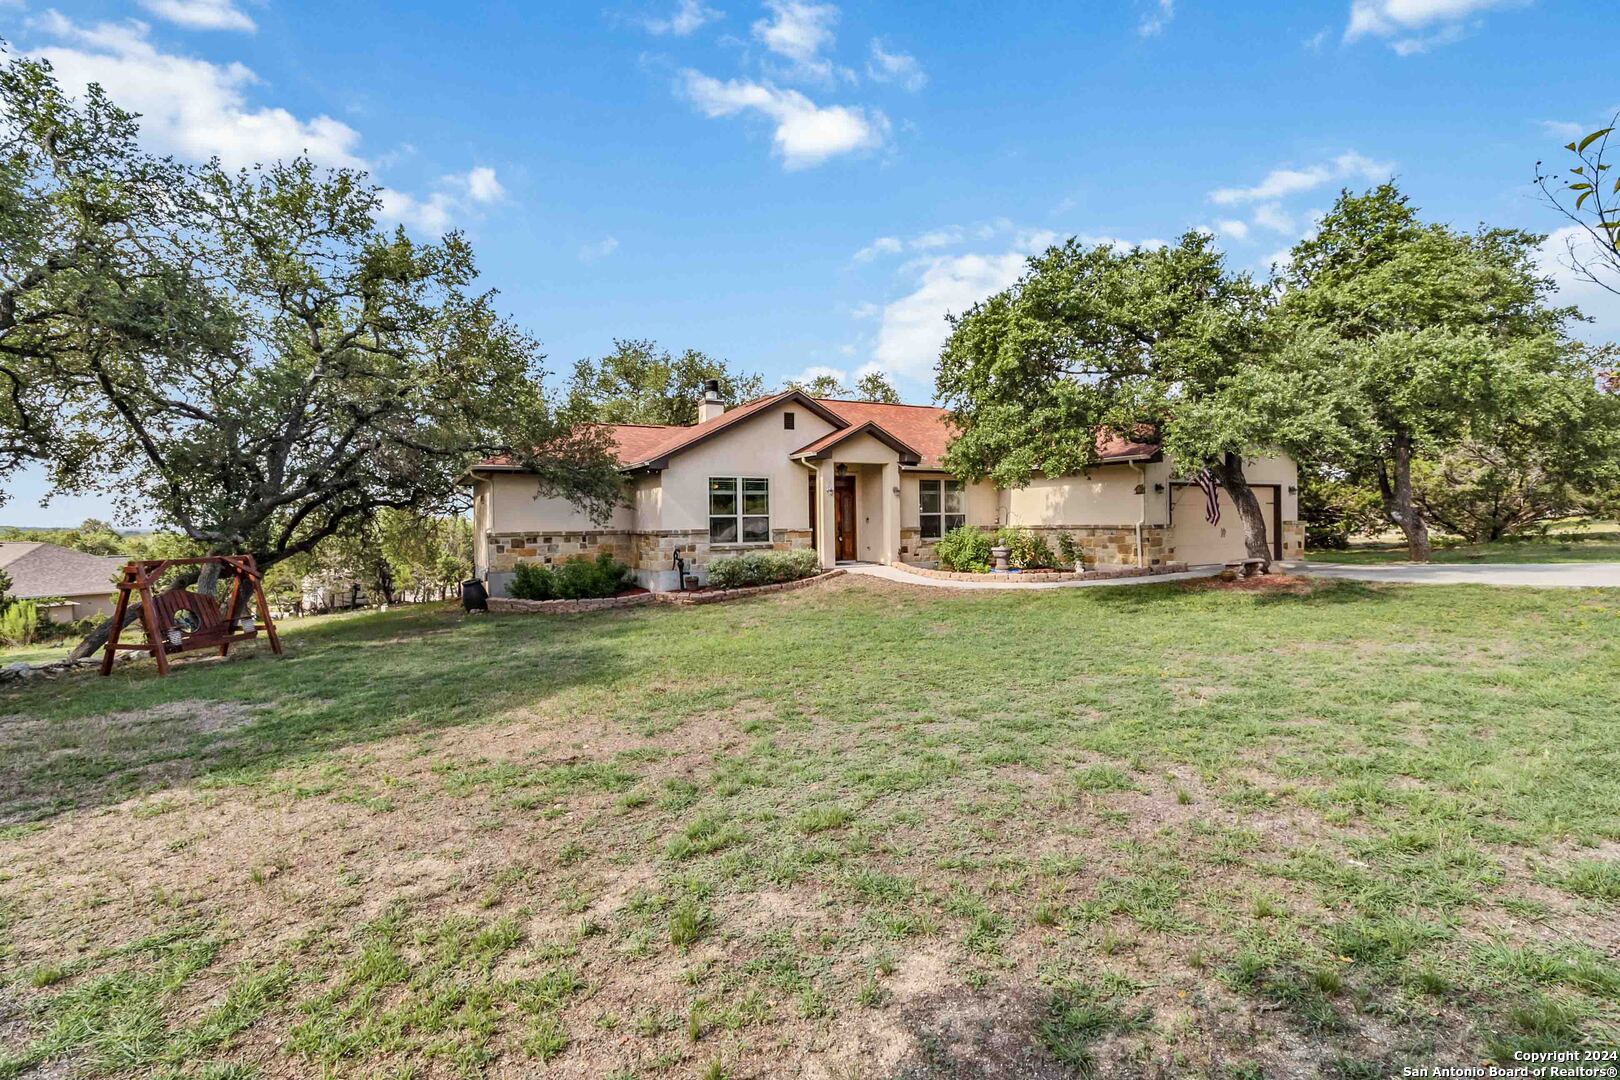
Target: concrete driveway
point(1601, 575)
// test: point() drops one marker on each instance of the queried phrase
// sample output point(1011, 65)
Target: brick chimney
point(711, 406)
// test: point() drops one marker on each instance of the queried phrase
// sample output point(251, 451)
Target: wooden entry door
point(844, 517)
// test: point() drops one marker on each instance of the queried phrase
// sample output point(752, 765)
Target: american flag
point(1212, 508)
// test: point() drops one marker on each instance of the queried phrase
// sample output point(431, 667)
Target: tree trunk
point(1398, 502)
point(1256, 537)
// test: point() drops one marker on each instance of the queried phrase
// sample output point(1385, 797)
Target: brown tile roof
point(40, 569)
point(925, 429)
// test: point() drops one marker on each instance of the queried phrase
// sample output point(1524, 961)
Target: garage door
point(1194, 540)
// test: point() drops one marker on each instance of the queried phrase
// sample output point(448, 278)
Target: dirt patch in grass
point(1290, 584)
point(41, 760)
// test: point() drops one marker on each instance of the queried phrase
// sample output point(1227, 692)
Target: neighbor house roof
point(920, 434)
point(40, 569)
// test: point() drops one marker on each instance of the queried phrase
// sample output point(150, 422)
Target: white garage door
point(1194, 540)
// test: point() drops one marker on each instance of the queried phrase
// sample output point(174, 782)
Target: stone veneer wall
point(1103, 545)
point(1293, 540)
point(506, 550)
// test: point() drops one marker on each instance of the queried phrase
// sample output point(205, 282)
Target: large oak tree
point(1159, 344)
point(1430, 340)
point(246, 357)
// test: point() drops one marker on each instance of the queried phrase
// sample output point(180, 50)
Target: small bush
point(763, 568)
point(1070, 550)
point(1027, 550)
point(531, 581)
point(965, 549)
point(578, 579)
point(19, 623)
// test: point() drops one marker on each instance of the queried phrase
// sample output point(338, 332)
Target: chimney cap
point(711, 387)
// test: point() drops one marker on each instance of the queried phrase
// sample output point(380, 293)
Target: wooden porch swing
point(181, 619)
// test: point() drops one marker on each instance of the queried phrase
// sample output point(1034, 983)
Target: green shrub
point(1027, 550)
point(531, 581)
point(965, 549)
point(763, 568)
point(19, 623)
point(1070, 550)
point(578, 579)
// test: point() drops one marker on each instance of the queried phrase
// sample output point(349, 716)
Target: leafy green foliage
point(762, 568)
point(965, 549)
point(1424, 341)
point(576, 579)
point(1026, 548)
point(640, 383)
point(19, 623)
point(247, 356)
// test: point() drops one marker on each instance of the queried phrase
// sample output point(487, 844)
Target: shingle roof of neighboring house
point(40, 569)
point(920, 431)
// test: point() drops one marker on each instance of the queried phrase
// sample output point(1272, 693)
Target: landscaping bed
point(641, 597)
point(1030, 577)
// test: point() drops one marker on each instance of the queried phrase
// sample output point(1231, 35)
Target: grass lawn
point(1559, 547)
point(862, 830)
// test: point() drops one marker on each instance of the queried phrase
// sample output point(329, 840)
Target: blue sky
point(798, 186)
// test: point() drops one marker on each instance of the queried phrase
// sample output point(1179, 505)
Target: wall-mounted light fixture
point(1292, 489)
point(1159, 488)
point(1139, 489)
point(897, 491)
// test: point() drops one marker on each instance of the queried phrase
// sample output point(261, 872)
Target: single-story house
point(853, 481)
point(77, 583)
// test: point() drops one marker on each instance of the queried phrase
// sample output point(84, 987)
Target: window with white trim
point(739, 510)
point(942, 506)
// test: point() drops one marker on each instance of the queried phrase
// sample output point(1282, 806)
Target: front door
point(844, 517)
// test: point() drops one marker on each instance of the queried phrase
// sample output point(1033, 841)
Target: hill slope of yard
point(861, 830)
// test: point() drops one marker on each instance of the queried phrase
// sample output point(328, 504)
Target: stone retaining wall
point(1033, 577)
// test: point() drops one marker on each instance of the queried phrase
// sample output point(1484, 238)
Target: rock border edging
point(510, 605)
point(1041, 577)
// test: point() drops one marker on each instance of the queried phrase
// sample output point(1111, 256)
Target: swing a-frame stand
point(180, 619)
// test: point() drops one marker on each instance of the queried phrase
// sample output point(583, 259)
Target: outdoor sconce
point(1158, 488)
point(897, 491)
point(1292, 489)
point(1139, 490)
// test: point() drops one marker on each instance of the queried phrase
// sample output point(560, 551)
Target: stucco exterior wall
point(515, 506)
point(757, 446)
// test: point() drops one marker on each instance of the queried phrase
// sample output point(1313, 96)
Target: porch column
point(826, 540)
point(890, 551)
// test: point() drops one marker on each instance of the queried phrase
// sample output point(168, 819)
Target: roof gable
point(42, 569)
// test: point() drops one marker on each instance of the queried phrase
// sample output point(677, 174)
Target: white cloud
point(1237, 230)
point(1557, 260)
point(1563, 129)
point(688, 16)
point(883, 245)
point(895, 67)
point(1281, 183)
point(816, 371)
point(1158, 16)
point(481, 185)
point(201, 14)
point(191, 108)
point(430, 215)
point(1273, 217)
point(798, 32)
point(913, 327)
point(1416, 26)
point(600, 249)
point(806, 133)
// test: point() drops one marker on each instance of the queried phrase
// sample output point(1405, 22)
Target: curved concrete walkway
point(1595, 575)
point(889, 573)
